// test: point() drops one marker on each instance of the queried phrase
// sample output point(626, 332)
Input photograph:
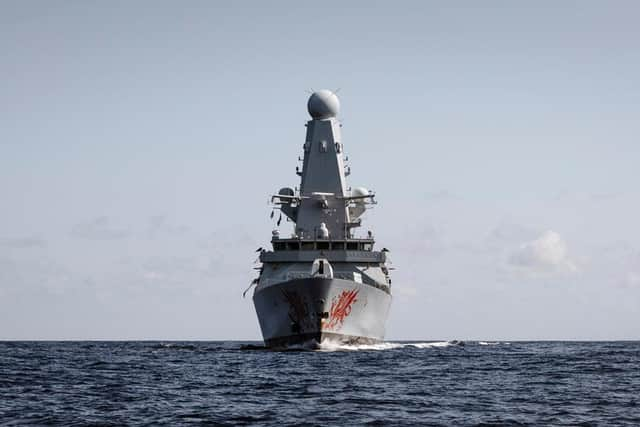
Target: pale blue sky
point(140, 140)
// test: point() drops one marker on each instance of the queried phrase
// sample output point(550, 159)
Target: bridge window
point(322, 245)
point(293, 246)
point(337, 246)
point(307, 246)
point(352, 246)
point(367, 246)
point(279, 246)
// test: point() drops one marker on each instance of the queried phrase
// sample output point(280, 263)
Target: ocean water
point(226, 383)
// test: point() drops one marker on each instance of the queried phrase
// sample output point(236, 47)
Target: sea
point(447, 383)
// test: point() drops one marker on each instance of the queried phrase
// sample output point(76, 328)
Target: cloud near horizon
point(547, 254)
point(24, 242)
point(99, 228)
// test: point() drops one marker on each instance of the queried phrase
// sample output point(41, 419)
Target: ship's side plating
point(323, 283)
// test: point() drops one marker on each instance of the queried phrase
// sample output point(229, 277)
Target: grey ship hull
point(321, 311)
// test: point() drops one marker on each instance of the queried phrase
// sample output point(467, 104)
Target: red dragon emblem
point(340, 309)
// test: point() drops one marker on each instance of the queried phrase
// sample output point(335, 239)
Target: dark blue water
point(520, 383)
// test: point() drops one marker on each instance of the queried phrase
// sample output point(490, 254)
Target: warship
point(322, 285)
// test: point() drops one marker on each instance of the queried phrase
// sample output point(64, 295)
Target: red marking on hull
point(340, 309)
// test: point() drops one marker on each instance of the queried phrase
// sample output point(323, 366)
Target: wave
point(175, 346)
point(330, 346)
point(333, 346)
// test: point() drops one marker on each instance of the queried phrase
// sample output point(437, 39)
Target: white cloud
point(430, 240)
point(631, 280)
point(24, 242)
point(507, 234)
point(153, 275)
point(543, 255)
point(98, 229)
point(159, 226)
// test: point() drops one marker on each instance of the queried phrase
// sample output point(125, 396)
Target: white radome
point(359, 191)
point(323, 104)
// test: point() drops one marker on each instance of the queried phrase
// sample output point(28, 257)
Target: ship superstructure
point(322, 283)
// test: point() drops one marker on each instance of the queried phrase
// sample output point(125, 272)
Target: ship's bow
point(321, 311)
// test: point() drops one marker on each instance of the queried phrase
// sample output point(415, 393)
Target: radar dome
point(359, 192)
point(323, 104)
point(359, 205)
point(286, 191)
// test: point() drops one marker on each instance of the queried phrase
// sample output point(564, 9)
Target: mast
point(324, 208)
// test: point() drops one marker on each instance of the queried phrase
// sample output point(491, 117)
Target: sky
point(140, 141)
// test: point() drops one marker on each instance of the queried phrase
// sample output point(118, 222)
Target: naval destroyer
point(322, 284)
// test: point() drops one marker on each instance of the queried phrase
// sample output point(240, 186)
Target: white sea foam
point(333, 346)
point(434, 344)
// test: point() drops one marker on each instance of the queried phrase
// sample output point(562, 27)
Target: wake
point(332, 346)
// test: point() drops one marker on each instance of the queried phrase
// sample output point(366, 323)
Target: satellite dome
point(359, 192)
point(286, 191)
point(323, 104)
